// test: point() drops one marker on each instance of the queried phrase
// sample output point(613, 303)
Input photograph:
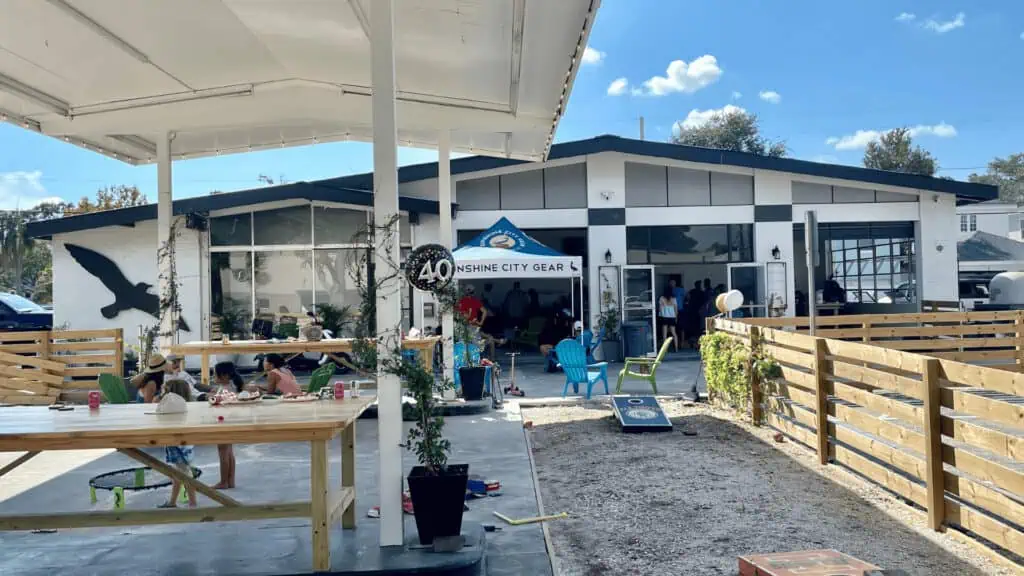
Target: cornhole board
point(640, 414)
point(804, 563)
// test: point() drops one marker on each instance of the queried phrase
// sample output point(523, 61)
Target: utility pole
point(641, 127)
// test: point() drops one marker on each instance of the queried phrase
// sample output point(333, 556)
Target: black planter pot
point(437, 501)
point(471, 378)
point(611, 350)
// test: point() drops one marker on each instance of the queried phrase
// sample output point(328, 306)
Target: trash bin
point(636, 336)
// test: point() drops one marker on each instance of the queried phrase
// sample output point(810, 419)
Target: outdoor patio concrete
point(493, 445)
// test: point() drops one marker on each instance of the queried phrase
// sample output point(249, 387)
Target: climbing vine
point(728, 366)
point(170, 305)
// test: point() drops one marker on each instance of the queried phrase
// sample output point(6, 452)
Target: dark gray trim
point(773, 213)
point(606, 216)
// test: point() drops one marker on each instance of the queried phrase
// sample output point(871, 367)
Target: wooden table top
point(134, 425)
point(333, 345)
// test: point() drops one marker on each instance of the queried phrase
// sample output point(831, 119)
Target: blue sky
point(820, 75)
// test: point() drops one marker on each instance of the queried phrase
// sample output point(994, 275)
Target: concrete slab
point(493, 444)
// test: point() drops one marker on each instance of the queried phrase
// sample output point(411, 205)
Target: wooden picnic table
point(204, 349)
point(130, 427)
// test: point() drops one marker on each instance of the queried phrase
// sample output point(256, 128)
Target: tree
point(108, 198)
point(1006, 173)
point(25, 265)
point(895, 151)
point(732, 130)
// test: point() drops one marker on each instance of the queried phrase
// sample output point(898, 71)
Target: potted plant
point(472, 374)
point(437, 489)
point(130, 361)
point(611, 345)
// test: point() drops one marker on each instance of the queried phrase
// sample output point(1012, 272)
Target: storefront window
point(874, 263)
point(336, 280)
point(231, 293)
point(284, 286)
point(282, 227)
point(338, 225)
point(231, 230)
point(281, 276)
point(709, 244)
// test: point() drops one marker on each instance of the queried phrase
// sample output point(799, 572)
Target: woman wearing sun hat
point(151, 380)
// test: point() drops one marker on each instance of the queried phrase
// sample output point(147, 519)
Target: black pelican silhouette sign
point(127, 296)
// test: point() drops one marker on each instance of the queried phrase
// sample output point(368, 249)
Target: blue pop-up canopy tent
point(505, 251)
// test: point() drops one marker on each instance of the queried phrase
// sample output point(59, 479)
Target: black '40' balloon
point(430, 267)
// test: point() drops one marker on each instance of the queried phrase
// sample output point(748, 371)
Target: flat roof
point(228, 76)
point(357, 188)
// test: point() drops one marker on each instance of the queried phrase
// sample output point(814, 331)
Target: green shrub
point(727, 369)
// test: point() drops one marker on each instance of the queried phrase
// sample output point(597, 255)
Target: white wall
point(78, 296)
point(938, 228)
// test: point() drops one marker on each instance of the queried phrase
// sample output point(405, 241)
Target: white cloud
point(940, 27)
point(941, 130)
point(23, 190)
point(861, 138)
point(683, 77)
point(618, 87)
point(825, 159)
point(592, 56)
point(697, 118)
point(906, 17)
point(770, 96)
point(736, 95)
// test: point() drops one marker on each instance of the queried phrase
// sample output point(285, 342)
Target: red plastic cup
point(94, 400)
point(339, 390)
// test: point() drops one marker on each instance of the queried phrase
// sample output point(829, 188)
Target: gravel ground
point(672, 503)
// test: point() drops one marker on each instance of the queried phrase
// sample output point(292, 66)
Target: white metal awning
point(230, 76)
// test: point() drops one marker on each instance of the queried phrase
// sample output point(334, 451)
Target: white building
point(994, 217)
point(639, 213)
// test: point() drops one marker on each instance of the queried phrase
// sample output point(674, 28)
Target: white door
point(638, 312)
point(749, 279)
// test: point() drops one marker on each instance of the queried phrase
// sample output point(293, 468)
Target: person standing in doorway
point(516, 308)
point(694, 302)
point(680, 296)
point(668, 314)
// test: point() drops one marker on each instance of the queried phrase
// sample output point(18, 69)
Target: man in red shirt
point(472, 307)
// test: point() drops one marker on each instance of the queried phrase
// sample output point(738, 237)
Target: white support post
point(444, 201)
point(164, 214)
point(389, 302)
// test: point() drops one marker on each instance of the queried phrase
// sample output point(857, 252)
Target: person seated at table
point(150, 382)
point(280, 379)
point(179, 456)
point(174, 369)
point(225, 377)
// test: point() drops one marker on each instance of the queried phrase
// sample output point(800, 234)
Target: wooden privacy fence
point(38, 367)
point(995, 339)
point(944, 435)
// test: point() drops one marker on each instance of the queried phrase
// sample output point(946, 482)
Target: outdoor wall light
point(607, 256)
point(776, 253)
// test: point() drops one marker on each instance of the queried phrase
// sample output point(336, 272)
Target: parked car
point(21, 314)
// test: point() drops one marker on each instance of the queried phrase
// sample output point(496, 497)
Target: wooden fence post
point(1018, 324)
point(119, 352)
point(44, 346)
point(821, 398)
point(755, 380)
point(933, 442)
point(866, 326)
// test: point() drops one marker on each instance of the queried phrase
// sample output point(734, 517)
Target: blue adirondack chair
point(590, 344)
point(573, 360)
point(474, 356)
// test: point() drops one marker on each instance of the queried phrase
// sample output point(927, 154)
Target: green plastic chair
point(113, 389)
point(643, 368)
point(320, 377)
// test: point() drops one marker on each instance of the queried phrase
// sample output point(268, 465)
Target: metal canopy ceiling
point(231, 76)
